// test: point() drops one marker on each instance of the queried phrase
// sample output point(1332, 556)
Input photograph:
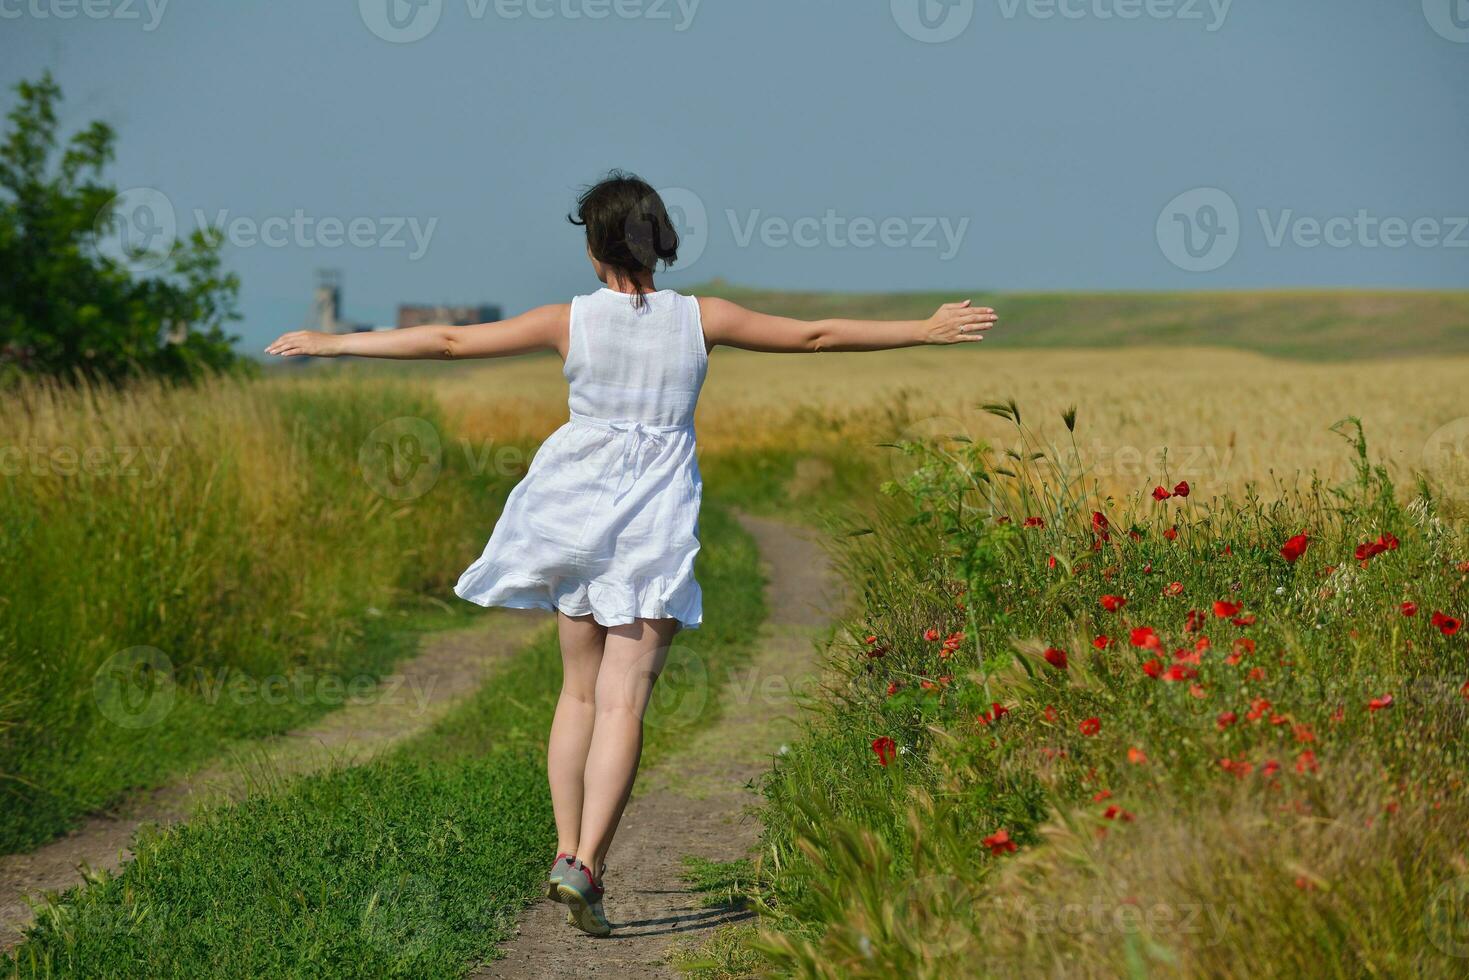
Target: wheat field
point(1219, 419)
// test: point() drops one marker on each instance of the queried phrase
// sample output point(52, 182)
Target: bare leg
point(632, 659)
point(571, 730)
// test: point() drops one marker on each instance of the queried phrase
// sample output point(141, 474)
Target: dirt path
point(695, 803)
point(451, 667)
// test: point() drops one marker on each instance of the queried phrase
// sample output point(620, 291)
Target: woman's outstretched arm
point(545, 328)
point(733, 325)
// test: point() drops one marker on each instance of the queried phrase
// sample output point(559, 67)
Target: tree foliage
point(68, 304)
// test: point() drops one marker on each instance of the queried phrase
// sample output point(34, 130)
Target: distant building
point(417, 315)
point(326, 310)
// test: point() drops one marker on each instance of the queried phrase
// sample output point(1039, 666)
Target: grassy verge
point(412, 866)
point(1250, 764)
point(164, 545)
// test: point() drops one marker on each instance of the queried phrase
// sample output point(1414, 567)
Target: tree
point(71, 304)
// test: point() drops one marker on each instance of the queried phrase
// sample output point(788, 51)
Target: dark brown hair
point(628, 228)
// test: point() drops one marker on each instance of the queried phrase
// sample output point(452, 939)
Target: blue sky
point(830, 144)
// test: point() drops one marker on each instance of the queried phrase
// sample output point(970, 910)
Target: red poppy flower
point(1377, 704)
point(1258, 707)
point(894, 688)
point(869, 639)
point(1447, 625)
point(1090, 726)
point(996, 712)
point(1173, 588)
point(1153, 668)
point(1105, 794)
point(1409, 609)
point(1035, 522)
point(1159, 493)
point(1244, 620)
point(1194, 621)
point(1182, 489)
point(1050, 714)
point(1303, 733)
point(1180, 672)
point(1112, 603)
point(1000, 843)
point(1294, 548)
point(1056, 658)
point(1224, 609)
point(1136, 756)
point(1225, 719)
point(1050, 561)
point(931, 635)
point(1306, 762)
point(885, 748)
point(1145, 638)
point(1114, 811)
point(1465, 690)
point(1171, 533)
point(1257, 673)
point(1270, 768)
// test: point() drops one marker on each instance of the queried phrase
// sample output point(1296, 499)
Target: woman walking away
point(603, 528)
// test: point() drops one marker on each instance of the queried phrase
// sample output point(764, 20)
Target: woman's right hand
point(306, 343)
point(956, 323)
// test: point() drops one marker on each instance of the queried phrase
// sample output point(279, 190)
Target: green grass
point(1309, 324)
point(412, 866)
point(230, 529)
point(1329, 843)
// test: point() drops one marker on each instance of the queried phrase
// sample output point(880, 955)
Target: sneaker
point(558, 867)
point(583, 897)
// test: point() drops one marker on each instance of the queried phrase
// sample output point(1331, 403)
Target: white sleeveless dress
point(605, 521)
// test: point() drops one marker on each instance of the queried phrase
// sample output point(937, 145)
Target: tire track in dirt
point(697, 801)
point(451, 667)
